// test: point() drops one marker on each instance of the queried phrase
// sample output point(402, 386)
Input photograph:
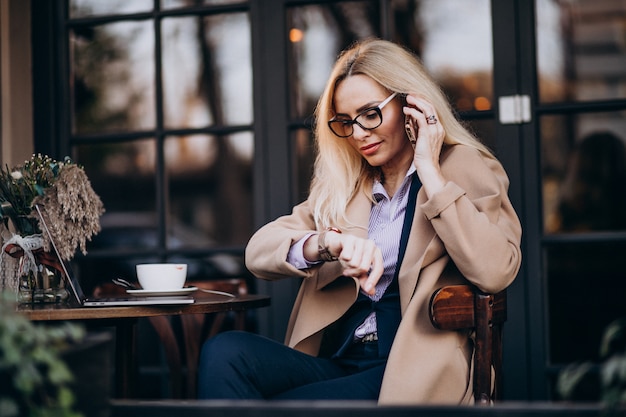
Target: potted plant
point(71, 210)
point(604, 382)
point(34, 380)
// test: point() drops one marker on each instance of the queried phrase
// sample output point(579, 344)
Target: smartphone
point(408, 126)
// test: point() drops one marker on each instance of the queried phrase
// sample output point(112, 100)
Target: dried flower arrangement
point(71, 209)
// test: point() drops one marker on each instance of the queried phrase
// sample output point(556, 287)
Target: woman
point(389, 219)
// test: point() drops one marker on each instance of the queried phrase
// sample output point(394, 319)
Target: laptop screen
point(71, 279)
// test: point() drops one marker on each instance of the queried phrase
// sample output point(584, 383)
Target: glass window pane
point(580, 50)
point(484, 130)
point(207, 70)
point(587, 275)
point(96, 272)
point(88, 8)
point(584, 172)
point(123, 175)
point(456, 48)
point(112, 77)
point(209, 190)
point(303, 165)
point(316, 35)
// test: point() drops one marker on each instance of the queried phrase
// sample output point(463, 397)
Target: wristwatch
point(322, 249)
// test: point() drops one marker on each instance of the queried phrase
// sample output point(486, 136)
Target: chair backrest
point(458, 307)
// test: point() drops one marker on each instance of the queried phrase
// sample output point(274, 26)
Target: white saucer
point(158, 293)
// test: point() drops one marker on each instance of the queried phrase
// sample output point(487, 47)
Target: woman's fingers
point(423, 114)
point(430, 130)
point(362, 259)
point(368, 283)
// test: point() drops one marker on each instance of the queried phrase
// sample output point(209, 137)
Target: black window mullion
point(273, 177)
point(161, 183)
point(386, 20)
point(531, 181)
point(50, 59)
point(512, 31)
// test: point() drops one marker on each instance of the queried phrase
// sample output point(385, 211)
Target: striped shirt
point(385, 229)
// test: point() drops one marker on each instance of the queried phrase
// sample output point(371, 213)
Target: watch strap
point(322, 248)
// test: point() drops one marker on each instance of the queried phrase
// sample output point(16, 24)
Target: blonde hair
point(339, 170)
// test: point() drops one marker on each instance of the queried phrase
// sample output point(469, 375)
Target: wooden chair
point(458, 307)
point(183, 351)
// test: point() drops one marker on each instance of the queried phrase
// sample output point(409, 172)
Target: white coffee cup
point(161, 277)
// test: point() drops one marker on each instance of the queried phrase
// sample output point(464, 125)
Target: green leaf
point(59, 373)
point(44, 354)
point(65, 397)
point(570, 377)
point(27, 378)
point(613, 339)
point(8, 407)
point(614, 371)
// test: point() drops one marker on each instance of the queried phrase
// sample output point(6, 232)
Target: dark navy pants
point(244, 365)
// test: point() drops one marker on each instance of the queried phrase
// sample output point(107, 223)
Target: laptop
point(82, 300)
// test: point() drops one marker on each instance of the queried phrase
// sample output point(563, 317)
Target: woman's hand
point(430, 135)
point(360, 258)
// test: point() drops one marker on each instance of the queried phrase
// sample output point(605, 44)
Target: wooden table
point(125, 318)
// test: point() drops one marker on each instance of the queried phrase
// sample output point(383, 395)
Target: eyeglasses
point(368, 119)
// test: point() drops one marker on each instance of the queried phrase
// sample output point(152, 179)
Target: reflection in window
point(317, 34)
point(209, 188)
point(484, 130)
point(594, 188)
point(173, 4)
point(206, 80)
point(453, 38)
point(584, 173)
point(113, 77)
point(303, 162)
point(88, 8)
point(214, 54)
point(123, 176)
point(580, 50)
point(583, 275)
point(457, 49)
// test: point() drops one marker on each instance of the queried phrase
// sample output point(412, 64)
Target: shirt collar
point(379, 192)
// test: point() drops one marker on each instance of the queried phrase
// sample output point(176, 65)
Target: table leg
point(125, 358)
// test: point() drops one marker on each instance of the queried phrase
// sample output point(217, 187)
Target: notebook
point(82, 300)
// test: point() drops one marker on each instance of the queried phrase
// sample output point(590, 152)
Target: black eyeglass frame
point(378, 109)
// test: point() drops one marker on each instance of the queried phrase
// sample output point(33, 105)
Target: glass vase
point(41, 284)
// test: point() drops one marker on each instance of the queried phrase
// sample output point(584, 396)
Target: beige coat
point(471, 222)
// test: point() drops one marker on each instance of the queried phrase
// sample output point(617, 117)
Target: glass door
point(582, 132)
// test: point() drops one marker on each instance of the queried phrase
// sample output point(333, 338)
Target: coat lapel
point(423, 248)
